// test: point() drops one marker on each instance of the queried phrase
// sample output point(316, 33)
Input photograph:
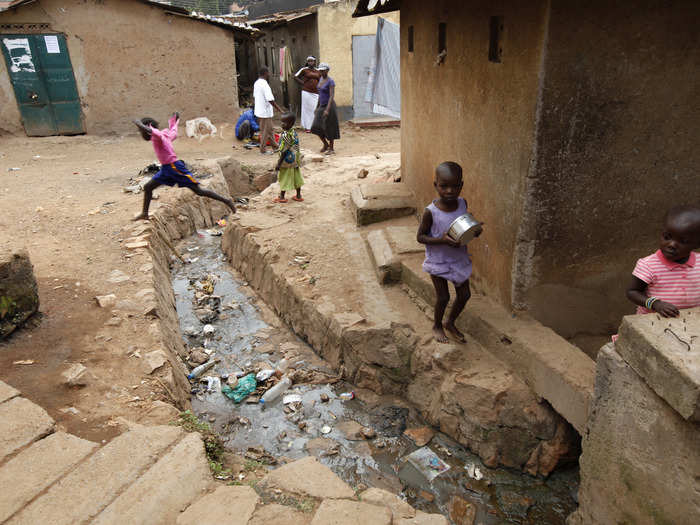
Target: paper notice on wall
point(52, 44)
point(20, 55)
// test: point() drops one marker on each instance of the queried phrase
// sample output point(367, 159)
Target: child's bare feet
point(141, 217)
point(450, 327)
point(440, 335)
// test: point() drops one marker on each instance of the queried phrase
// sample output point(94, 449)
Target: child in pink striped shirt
point(669, 280)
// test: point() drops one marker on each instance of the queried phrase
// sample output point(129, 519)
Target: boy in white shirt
point(264, 104)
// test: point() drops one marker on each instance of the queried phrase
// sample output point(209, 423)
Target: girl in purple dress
point(445, 259)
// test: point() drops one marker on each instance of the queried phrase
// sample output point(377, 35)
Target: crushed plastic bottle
point(276, 391)
point(347, 396)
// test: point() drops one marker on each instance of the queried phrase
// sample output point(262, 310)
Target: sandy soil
point(66, 206)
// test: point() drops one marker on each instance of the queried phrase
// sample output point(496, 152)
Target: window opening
point(265, 55)
point(442, 38)
point(410, 39)
point(495, 37)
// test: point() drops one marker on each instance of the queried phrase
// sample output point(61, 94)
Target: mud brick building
point(576, 125)
point(91, 66)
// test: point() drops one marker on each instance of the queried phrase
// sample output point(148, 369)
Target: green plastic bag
point(246, 386)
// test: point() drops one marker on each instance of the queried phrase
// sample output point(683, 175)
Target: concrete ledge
point(380, 202)
point(386, 265)
point(666, 354)
point(555, 369)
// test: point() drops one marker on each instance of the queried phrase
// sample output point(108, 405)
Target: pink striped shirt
point(678, 284)
point(163, 141)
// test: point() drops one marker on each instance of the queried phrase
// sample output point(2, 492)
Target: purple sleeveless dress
point(453, 264)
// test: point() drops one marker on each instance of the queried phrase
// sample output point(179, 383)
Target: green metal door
point(42, 77)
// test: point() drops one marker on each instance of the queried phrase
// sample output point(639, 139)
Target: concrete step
point(86, 490)
point(381, 202)
point(38, 467)
point(7, 392)
point(228, 505)
point(386, 265)
point(22, 423)
point(169, 486)
point(551, 366)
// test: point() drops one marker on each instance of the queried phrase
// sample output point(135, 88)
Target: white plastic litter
point(291, 398)
point(200, 128)
point(264, 375)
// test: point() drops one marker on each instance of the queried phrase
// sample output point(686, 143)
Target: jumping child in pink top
point(669, 280)
point(172, 171)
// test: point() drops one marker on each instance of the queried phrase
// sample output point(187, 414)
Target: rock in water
point(19, 295)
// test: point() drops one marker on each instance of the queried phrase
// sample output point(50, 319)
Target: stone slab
point(96, 481)
point(399, 508)
point(403, 239)
point(308, 477)
point(275, 514)
point(7, 392)
point(386, 265)
point(380, 202)
point(19, 294)
point(640, 460)
point(551, 366)
point(22, 423)
point(227, 505)
point(38, 467)
point(666, 354)
point(157, 497)
point(343, 512)
point(423, 518)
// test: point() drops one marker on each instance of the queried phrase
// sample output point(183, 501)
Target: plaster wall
point(475, 112)
point(336, 27)
point(131, 60)
point(301, 36)
point(616, 148)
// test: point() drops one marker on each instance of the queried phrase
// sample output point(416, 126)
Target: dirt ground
point(66, 206)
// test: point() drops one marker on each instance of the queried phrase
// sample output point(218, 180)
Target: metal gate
point(42, 77)
point(362, 53)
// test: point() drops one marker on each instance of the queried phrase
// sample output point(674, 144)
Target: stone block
point(342, 512)
point(38, 467)
point(274, 514)
point(99, 479)
point(7, 392)
point(640, 460)
point(380, 202)
point(158, 496)
point(22, 423)
point(227, 505)
point(385, 264)
point(399, 508)
point(307, 477)
point(666, 354)
point(403, 239)
point(19, 294)
point(423, 518)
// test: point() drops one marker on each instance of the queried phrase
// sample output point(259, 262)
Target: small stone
point(461, 511)
point(154, 360)
point(427, 496)
point(117, 276)
point(324, 398)
point(146, 292)
point(76, 375)
point(212, 419)
point(362, 174)
point(316, 158)
point(421, 436)
point(114, 321)
point(145, 268)
point(136, 245)
point(70, 410)
point(232, 381)
point(151, 310)
point(106, 301)
point(368, 433)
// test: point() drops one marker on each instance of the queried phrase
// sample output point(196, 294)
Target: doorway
point(42, 77)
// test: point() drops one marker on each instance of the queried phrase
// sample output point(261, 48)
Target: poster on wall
point(20, 55)
point(51, 42)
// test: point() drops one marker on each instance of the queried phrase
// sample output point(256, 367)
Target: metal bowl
point(463, 229)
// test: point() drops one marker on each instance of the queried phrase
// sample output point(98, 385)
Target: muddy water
point(242, 339)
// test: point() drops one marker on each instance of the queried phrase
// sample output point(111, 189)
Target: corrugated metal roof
point(375, 7)
point(9, 4)
point(281, 18)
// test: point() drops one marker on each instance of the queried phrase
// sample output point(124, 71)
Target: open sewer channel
point(245, 343)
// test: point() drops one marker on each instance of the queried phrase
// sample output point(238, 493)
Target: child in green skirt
point(288, 164)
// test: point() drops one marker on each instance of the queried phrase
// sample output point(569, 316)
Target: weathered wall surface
point(640, 459)
point(301, 36)
point(336, 27)
point(475, 112)
point(616, 148)
point(132, 60)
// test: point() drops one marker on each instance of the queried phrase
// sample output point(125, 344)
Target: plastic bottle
point(276, 391)
point(282, 366)
point(347, 396)
point(196, 372)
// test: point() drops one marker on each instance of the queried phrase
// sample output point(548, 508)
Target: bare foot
point(324, 149)
point(450, 327)
point(439, 334)
point(141, 217)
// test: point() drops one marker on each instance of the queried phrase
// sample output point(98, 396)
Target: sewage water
point(241, 338)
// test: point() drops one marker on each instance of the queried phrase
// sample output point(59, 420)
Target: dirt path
point(65, 205)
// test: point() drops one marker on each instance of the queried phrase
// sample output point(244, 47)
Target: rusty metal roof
point(282, 18)
point(9, 4)
point(375, 7)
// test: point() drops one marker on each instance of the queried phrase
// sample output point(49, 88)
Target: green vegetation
point(213, 446)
